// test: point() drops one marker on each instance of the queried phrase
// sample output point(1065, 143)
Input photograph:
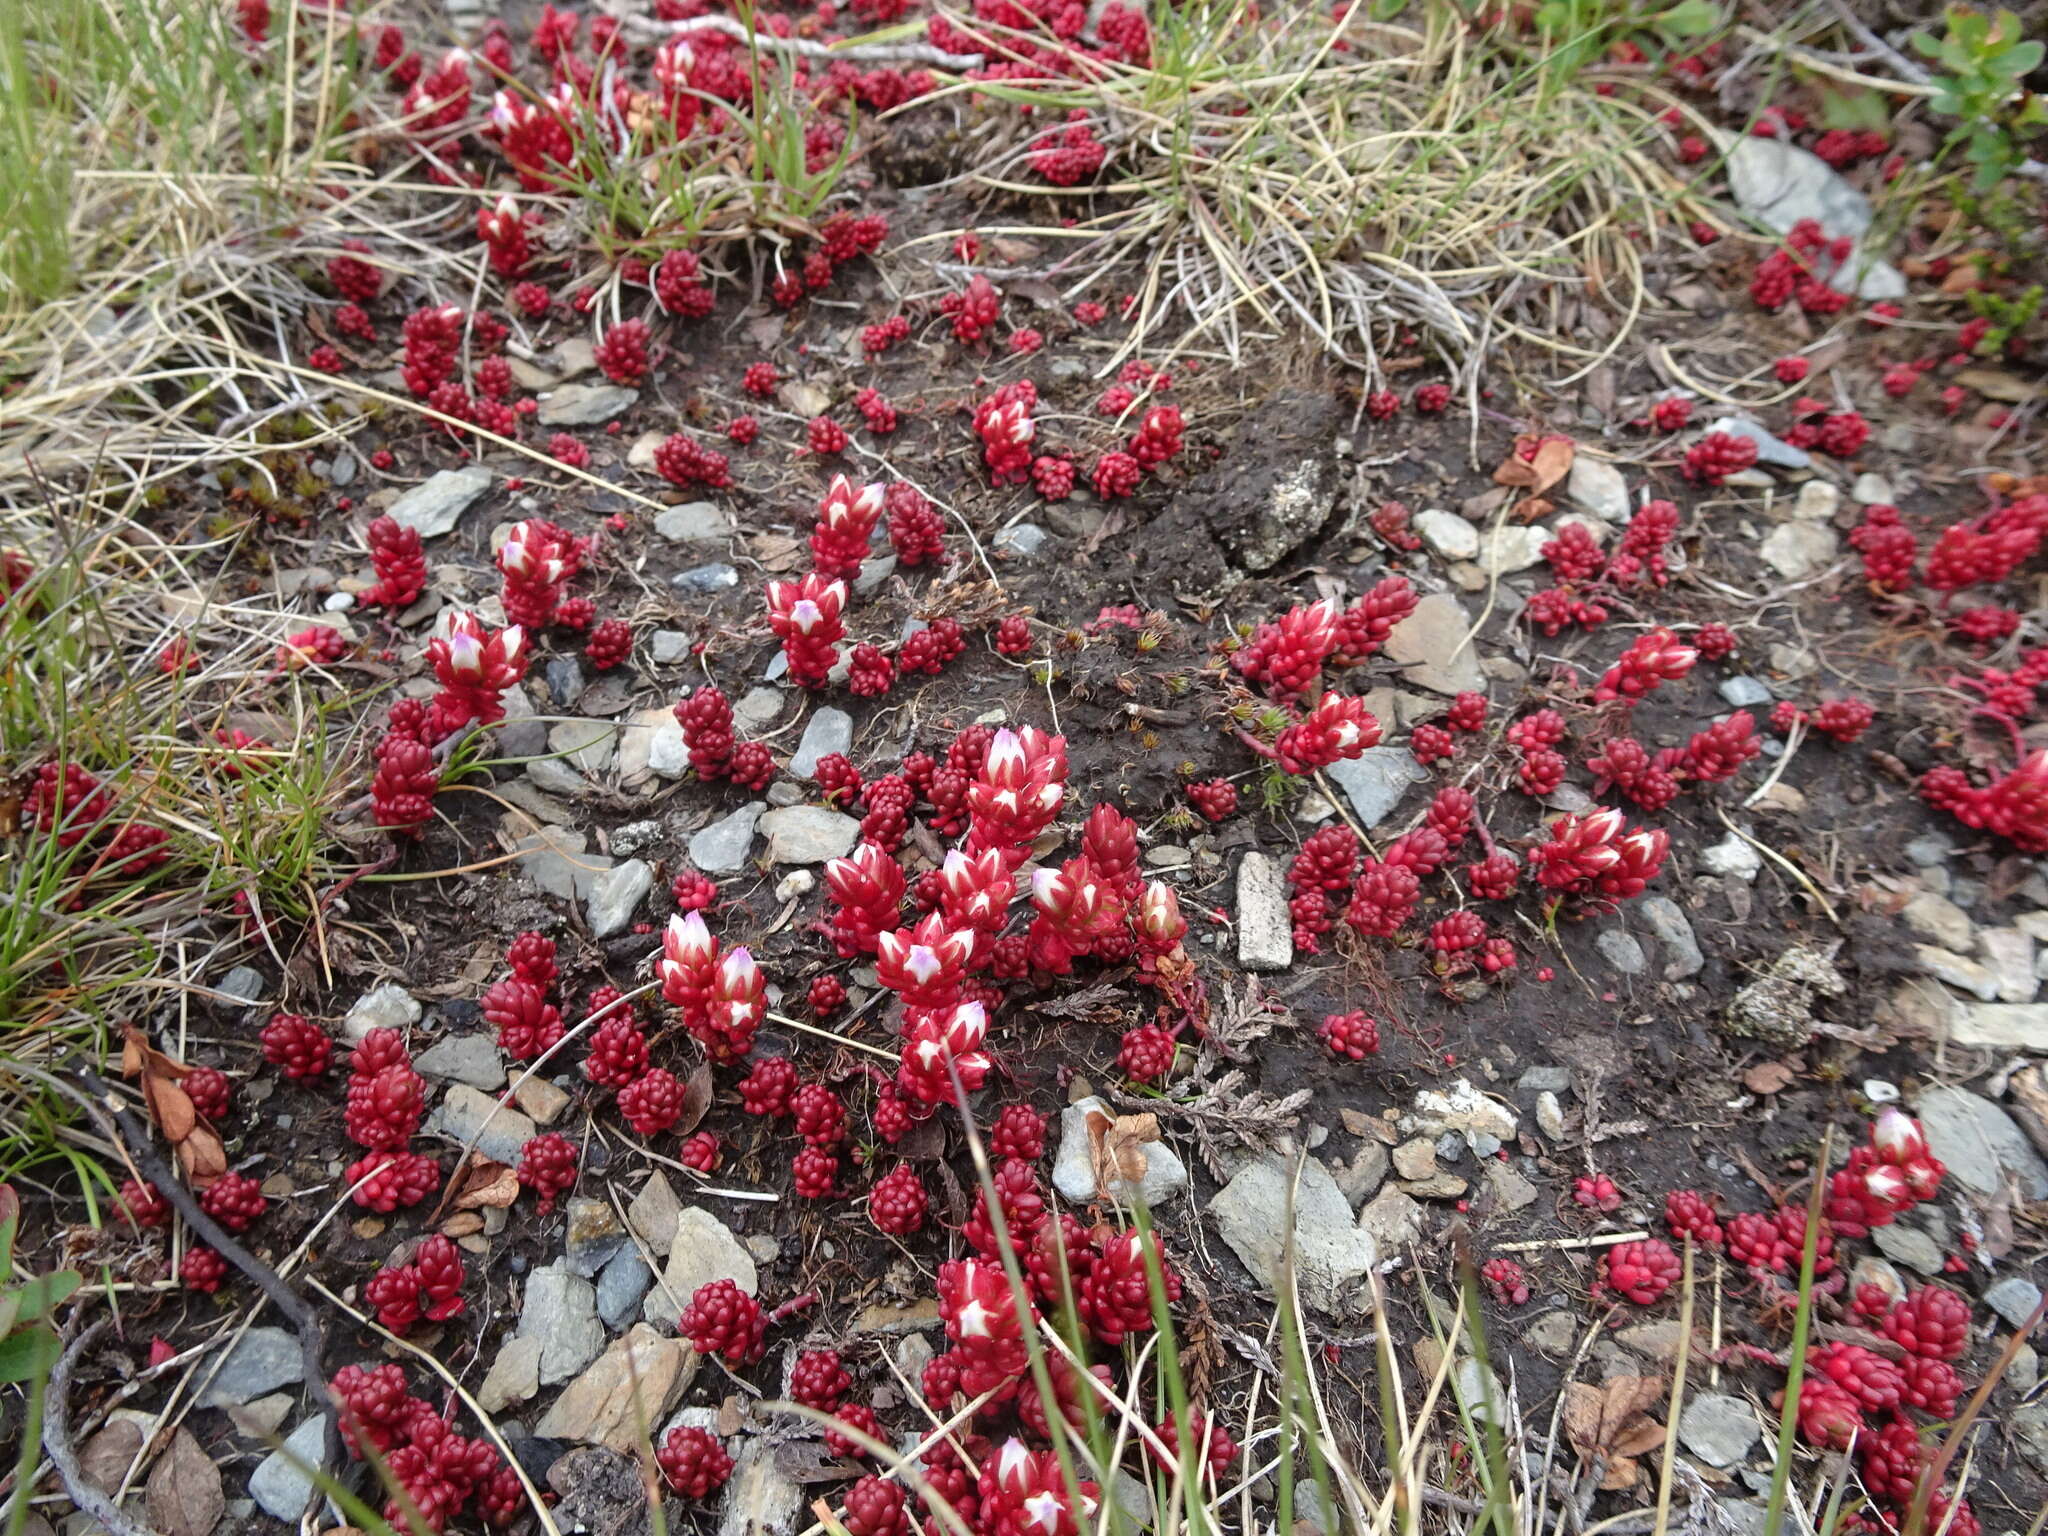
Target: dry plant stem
point(57, 1440)
point(122, 1125)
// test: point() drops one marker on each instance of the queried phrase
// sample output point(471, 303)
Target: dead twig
point(57, 1440)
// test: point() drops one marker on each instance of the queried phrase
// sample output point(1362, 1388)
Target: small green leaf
point(1689, 18)
point(41, 1296)
point(29, 1354)
point(1924, 45)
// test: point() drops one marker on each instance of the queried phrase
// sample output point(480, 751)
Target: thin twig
point(57, 1440)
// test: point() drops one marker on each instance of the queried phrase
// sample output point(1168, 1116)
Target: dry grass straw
point(1271, 173)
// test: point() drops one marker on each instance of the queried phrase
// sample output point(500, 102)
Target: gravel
point(433, 507)
point(388, 1006)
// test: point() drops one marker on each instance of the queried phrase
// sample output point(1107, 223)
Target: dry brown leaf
point(1356, 1121)
point(1767, 1077)
point(462, 1224)
point(485, 1183)
point(1115, 1147)
point(1612, 1421)
point(105, 1457)
point(184, 1490)
point(1996, 384)
point(777, 552)
point(696, 1099)
point(199, 1149)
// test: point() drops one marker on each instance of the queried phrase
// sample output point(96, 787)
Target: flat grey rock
point(1732, 856)
point(757, 709)
point(808, 834)
point(1780, 184)
point(1429, 647)
point(1671, 928)
point(1376, 781)
point(1073, 1171)
point(721, 848)
point(1797, 550)
point(644, 742)
point(702, 1250)
point(434, 506)
point(704, 579)
point(2001, 1026)
point(873, 573)
point(1618, 947)
point(826, 732)
point(244, 983)
point(622, 1287)
point(760, 1498)
point(471, 1059)
point(555, 859)
point(1330, 1253)
point(464, 1111)
point(560, 1310)
point(1936, 918)
point(1446, 535)
point(1911, 1247)
point(615, 896)
point(554, 777)
point(2014, 1299)
point(2008, 954)
point(694, 522)
point(1718, 1429)
point(1980, 1142)
point(283, 1481)
point(1742, 692)
point(1265, 928)
point(585, 405)
point(1512, 547)
point(668, 646)
point(595, 1235)
point(261, 1361)
point(1294, 508)
point(388, 1006)
point(586, 745)
point(1599, 488)
point(1020, 541)
point(1769, 450)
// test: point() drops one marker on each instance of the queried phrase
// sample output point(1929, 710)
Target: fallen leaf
point(198, 1147)
point(1356, 1122)
point(1553, 462)
point(1116, 1147)
point(696, 1099)
point(462, 1224)
point(485, 1183)
point(1995, 384)
point(777, 552)
point(1612, 1421)
point(1767, 1077)
point(184, 1490)
point(105, 1457)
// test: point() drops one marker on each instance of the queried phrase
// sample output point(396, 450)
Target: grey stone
point(1671, 928)
point(1935, 917)
point(1769, 449)
point(471, 1059)
point(283, 1481)
point(587, 745)
point(616, 895)
point(565, 680)
point(1429, 646)
point(557, 778)
point(595, 1233)
point(2001, 1026)
point(1618, 947)
point(514, 1375)
point(1510, 1188)
point(623, 1285)
point(1295, 506)
point(668, 646)
point(1872, 490)
point(585, 405)
point(1512, 547)
point(1479, 1389)
point(1957, 971)
point(1073, 1169)
point(1020, 541)
point(1329, 1252)
point(244, 983)
point(1364, 1174)
point(640, 742)
point(1909, 1246)
point(808, 834)
point(433, 507)
point(1744, 692)
point(1265, 929)
point(1816, 501)
point(1553, 1333)
point(261, 1361)
point(560, 1310)
point(342, 472)
point(873, 573)
point(721, 848)
point(1980, 1142)
point(757, 709)
point(1718, 1429)
point(2014, 1299)
point(555, 860)
point(1447, 535)
point(388, 1006)
point(1732, 856)
point(694, 522)
point(827, 731)
point(703, 579)
point(653, 1214)
point(702, 1250)
point(2029, 1426)
point(1544, 1080)
point(1599, 487)
point(1376, 781)
point(1798, 550)
point(2009, 956)
point(1781, 184)
point(465, 1111)
point(1549, 1116)
point(760, 1499)
point(519, 733)
point(1459, 1107)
